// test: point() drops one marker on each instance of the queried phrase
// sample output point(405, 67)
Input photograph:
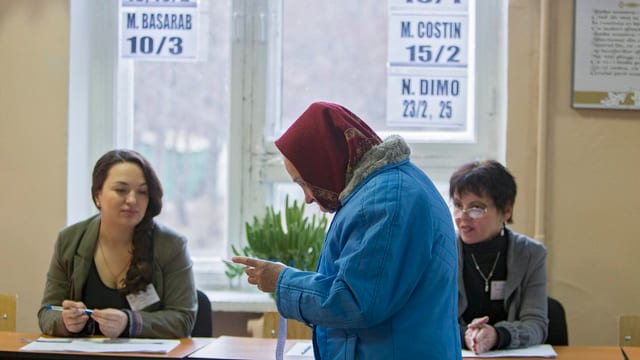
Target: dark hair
point(485, 178)
point(139, 274)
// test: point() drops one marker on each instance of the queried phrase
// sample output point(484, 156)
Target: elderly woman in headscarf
point(386, 282)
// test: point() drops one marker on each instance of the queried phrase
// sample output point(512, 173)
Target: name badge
point(497, 290)
point(144, 298)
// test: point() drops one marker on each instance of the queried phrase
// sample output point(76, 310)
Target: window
point(208, 126)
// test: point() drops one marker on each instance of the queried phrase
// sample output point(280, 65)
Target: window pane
point(181, 124)
point(293, 191)
point(335, 50)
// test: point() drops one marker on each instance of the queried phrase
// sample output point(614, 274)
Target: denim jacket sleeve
point(374, 254)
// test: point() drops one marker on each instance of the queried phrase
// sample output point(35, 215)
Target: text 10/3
point(148, 45)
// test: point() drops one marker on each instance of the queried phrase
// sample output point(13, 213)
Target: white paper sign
point(428, 65)
point(429, 5)
point(433, 100)
point(159, 30)
point(433, 40)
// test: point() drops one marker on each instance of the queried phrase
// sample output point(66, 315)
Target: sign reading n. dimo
point(164, 30)
point(428, 64)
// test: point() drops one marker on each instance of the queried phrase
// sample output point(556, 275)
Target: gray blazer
point(525, 291)
point(172, 276)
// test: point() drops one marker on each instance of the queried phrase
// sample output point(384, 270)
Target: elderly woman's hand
point(261, 273)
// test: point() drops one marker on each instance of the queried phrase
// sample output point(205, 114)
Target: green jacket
point(172, 277)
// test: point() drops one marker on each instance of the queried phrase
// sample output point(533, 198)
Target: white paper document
point(542, 351)
point(300, 350)
point(97, 345)
point(226, 347)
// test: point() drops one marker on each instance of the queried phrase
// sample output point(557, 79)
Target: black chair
point(203, 326)
point(557, 324)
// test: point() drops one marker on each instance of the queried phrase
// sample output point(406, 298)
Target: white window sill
point(241, 300)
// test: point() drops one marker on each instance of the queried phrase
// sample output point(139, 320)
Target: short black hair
point(485, 178)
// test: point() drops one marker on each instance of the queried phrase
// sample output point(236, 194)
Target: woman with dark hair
point(135, 274)
point(502, 279)
point(385, 286)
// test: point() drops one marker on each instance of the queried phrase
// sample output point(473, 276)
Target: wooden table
point(11, 342)
point(230, 348)
point(595, 352)
point(241, 348)
point(227, 347)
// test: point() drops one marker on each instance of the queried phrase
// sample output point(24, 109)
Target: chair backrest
point(629, 330)
point(203, 326)
point(295, 329)
point(8, 312)
point(558, 334)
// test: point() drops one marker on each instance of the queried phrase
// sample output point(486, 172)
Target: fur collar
point(392, 150)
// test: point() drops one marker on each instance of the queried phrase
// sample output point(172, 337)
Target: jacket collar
point(87, 245)
point(84, 256)
point(392, 150)
point(515, 270)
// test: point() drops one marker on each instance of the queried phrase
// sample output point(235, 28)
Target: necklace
point(106, 263)
point(486, 278)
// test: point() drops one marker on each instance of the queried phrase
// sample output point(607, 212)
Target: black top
point(480, 303)
point(96, 295)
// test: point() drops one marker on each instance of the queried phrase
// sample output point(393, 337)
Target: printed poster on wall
point(606, 69)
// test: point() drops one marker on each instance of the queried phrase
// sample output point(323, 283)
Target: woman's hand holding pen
point(112, 322)
point(73, 315)
point(263, 274)
point(480, 337)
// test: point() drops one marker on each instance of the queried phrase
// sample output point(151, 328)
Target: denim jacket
point(385, 287)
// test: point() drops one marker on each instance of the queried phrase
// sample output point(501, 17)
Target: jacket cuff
point(288, 300)
point(135, 322)
point(504, 338)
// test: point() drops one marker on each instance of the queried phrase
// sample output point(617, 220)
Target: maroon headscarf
point(324, 144)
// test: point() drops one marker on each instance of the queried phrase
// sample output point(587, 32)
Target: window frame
point(101, 106)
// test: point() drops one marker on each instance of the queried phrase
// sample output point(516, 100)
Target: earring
point(502, 230)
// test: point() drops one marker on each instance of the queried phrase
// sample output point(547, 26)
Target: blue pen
point(60, 308)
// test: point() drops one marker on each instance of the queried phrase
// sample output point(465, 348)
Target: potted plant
point(296, 241)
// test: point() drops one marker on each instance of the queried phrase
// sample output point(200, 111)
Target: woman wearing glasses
point(502, 280)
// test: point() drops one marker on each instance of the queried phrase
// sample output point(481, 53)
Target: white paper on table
point(96, 345)
point(542, 351)
point(300, 350)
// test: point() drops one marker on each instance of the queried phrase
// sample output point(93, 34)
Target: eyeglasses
point(475, 212)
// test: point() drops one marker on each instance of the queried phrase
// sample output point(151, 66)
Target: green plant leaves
point(296, 241)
